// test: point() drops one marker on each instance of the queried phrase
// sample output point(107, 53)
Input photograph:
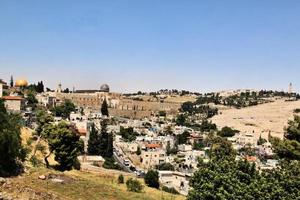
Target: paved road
point(120, 160)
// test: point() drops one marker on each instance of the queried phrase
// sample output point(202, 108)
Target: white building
point(150, 159)
point(177, 180)
point(185, 147)
point(46, 100)
point(246, 138)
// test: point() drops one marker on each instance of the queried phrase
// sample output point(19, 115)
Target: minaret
point(290, 88)
point(59, 88)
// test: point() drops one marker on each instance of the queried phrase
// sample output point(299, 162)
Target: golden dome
point(21, 83)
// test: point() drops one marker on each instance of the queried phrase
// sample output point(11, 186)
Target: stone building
point(118, 104)
point(14, 103)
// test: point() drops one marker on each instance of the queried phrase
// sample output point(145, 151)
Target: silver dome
point(104, 88)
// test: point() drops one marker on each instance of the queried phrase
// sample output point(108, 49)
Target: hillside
point(260, 119)
point(69, 185)
point(75, 185)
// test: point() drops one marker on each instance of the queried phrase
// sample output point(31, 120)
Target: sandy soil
point(262, 119)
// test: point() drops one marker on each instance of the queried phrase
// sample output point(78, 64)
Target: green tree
point(187, 107)
point(224, 177)
point(12, 153)
point(289, 148)
point(183, 138)
point(138, 151)
point(43, 119)
point(11, 84)
point(106, 141)
point(94, 141)
point(261, 141)
point(31, 100)
point(207, 126)
point(64, 110)
point(152, 179)
point(165, 167)
point(221, 149)
point(65, 143)
point(227, 132)
point(128, 134)
point(104, 108)
point(181, 120)
point(40, 87)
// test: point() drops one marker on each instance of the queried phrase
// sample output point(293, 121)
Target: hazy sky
point(200, 45)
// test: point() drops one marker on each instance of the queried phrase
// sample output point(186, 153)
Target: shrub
point(110, 163)
point(35, 162)
point(227, 132)
point(297, 110)
point(138, 152)
point(165, 167)
point(151, 179)
point(134, 185)
point(121, 179)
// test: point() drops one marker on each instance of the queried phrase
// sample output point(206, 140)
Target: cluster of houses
point(150, 148)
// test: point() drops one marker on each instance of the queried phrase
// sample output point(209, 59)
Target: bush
point(134, 185)
point(297, 110)
point(165, 167)
point(35, 162)
point(152, 179)
point(110, 163)
point(139, 151)
point(121, 179)
point(171, 190)
point(227, 132)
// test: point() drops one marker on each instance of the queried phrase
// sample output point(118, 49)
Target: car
point(126, 162)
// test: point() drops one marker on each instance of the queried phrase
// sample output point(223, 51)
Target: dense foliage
point(243, 99)
point(289, 148)
point(31, 100)
point(128, 134)
point(227, 132)
point(193, 108)
point(183, 138)
point(65, 143)
point(39, 87)
point(100, 142)
point(104, 108)
point(11, 149)
point(134, 185)
point(64, 110)
point(94, 141)
point(165, 167)
point(152, 179)
point(224, 177)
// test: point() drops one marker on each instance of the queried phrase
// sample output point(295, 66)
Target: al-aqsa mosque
point(119, 105)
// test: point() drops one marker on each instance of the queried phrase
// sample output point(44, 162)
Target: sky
point(147, 45)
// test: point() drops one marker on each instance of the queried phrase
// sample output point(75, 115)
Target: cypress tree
point(94, 142)
point(104, 108)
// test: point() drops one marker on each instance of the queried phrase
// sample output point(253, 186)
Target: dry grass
point(79, 185)
point(261, 119)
